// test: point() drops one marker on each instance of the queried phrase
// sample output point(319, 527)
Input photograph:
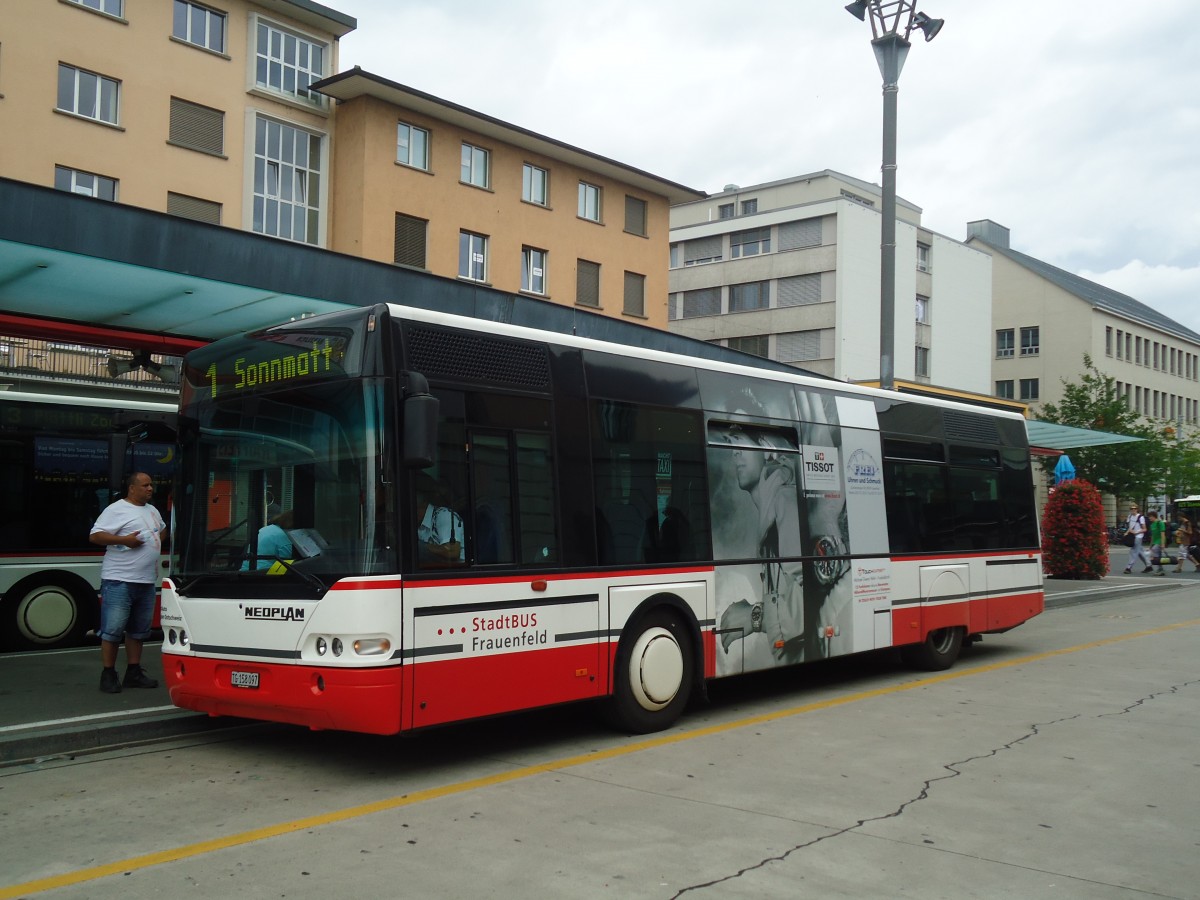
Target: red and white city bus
point(392, 518)
point(62, 458)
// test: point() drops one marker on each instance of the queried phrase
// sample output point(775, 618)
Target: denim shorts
point(126, 610)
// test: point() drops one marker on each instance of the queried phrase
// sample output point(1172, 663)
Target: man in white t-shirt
point(130, 531)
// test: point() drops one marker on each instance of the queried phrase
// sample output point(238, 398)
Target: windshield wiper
point(307, 576)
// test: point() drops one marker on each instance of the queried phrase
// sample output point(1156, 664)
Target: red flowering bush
point(1074, 538)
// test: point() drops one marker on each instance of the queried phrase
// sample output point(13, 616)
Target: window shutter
point(704, 302)
point(799, 346)
point(702, 248)
point(587, 283)
point(795, 235)
point(193, 208)
point(197, 127)
point(635, 294)
point(800, 290)
point(635, 215)
point(409, 247)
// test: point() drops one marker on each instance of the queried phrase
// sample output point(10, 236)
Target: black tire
point(48, 611)
point(937, 652)
point(654, 673)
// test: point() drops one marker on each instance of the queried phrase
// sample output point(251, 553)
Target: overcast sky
point(1074, 124)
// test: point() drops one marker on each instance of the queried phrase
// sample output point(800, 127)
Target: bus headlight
point(337, 646)
point(372, 646)
point(322, 647)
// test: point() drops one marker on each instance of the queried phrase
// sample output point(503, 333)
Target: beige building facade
point(199, 110)
point(427, 183)
point(790, 270)
point(1045, 319)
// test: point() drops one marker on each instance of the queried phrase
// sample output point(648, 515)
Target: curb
point(40, 744)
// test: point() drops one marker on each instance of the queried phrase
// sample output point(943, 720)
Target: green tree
point(1128, 469)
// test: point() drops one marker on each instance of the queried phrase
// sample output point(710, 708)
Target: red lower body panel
point(366, 700)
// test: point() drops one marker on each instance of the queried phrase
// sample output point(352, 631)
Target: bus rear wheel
point(938, 651)
point(47, 611)
point(654, 673)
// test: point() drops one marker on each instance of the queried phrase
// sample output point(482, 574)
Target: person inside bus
point(273, 541)
point(131, 531)
point(439, 528)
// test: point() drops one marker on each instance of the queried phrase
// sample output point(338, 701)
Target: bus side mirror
point(420, 430)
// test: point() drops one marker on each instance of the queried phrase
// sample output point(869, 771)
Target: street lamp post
point(889, 18)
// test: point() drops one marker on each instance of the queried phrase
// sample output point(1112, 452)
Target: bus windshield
point(285, 488)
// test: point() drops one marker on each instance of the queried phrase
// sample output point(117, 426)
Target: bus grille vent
point(472, 357)
point(962, 426)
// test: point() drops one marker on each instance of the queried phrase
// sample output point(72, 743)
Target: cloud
point(1172, 290)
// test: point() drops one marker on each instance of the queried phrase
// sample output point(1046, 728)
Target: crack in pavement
point(954, 769)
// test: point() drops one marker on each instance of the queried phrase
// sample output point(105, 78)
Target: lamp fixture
point(929, 26)
point(858, 9)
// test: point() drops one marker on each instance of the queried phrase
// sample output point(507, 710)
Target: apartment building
point(204, 111)
point(427, 183)
point(1045, 319)
point(790, 270)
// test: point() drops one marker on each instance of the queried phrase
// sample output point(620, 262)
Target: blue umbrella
point(1064, 470)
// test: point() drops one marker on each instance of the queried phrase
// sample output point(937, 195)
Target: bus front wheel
point(47, 611)
point(654, 672)
point(938, 651)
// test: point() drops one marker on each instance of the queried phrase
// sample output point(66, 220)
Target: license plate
point(244, 679)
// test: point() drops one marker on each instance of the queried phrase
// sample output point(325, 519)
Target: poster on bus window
point(779, 515)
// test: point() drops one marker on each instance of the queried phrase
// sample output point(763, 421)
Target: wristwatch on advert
point(756, 617)
point(830, 563)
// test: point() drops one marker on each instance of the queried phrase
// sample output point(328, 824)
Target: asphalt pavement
point(51, 704)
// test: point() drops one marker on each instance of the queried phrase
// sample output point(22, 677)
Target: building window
point(749, 207)
point(287, 181)
point(193, 208)
point(799, 290)
point(1004, 343)
point(85, 183)
point(725, 211)
point(753, 295)
point(1004, 389)
point(635, 294)
point(1030, 341)
point(798, 346)
point(109, 7)
point(1029, 388)
point(533, 270)
point(754, 344)
point(288, 63)
point(587, 283)
point(197, 127)
point(1108, 342)
point(702, 250)
point(635, 215)
point(922, 310)
point(921, 362)
point(589, 202)
point(412, 146)
point(535, 185)
point(801, 234)
point(476, 166)
point(922, 257)
point(410, 241)
point(703, 302)
point(472, 256)
point(88, 94)
point(750, 243)
point(199, 25)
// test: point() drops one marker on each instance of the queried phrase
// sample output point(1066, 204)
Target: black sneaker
point(1147, 569)
point(109, 682)
point(136, 677)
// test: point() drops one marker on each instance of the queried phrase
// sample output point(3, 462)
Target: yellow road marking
point(258, 834)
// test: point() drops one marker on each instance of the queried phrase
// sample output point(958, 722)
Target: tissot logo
point(275, 613)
